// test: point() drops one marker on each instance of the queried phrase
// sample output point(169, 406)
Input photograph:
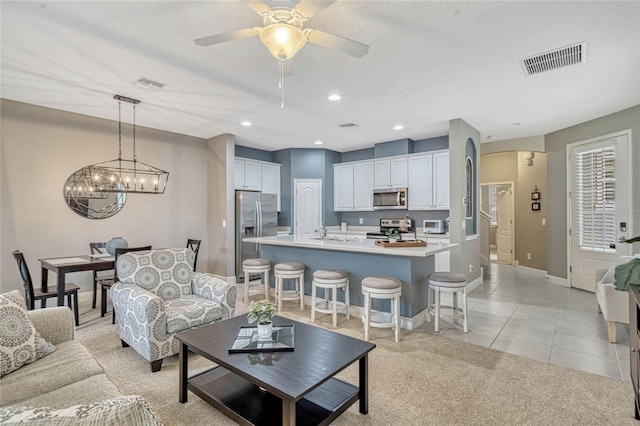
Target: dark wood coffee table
point(298, 387)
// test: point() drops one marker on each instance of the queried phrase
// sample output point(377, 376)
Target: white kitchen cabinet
point(390, 173)
point(271, 180)
point(248, 175)
point(428, 181)
point(353, 186)
point(441, 180)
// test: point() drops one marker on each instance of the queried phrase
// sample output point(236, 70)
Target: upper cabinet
point(390, 173)
point(353, 186)
point(254, 175)
point(248, 175)
point(428, 181)
point(271, 179)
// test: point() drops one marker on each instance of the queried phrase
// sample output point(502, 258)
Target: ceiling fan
point(283, 34)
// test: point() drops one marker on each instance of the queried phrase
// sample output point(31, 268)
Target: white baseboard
point(558, 281)
point(534, 271)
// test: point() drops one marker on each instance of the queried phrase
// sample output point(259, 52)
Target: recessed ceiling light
point(334, 97)
point(513, 124)
point(491, 137)
point(246, 123)
point(318, 142)
point(398, 127)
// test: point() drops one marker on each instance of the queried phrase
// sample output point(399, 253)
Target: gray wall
point(556, 147)
point(252, 153)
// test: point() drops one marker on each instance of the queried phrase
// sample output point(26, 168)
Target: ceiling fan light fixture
point(283, 40)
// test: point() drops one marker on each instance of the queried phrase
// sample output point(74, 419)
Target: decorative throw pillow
point(20, 343)
point(123, 410)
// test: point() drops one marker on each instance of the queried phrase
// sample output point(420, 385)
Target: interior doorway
point(498, 202)
point(307, 207)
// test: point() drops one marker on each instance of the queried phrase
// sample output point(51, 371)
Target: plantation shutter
point(595, 192)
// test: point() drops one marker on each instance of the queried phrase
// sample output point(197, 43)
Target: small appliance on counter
point(405, 226)
point(433, 226)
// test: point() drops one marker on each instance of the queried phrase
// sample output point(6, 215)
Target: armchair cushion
point(166, 273)
point(190, 312)
point(20, 342)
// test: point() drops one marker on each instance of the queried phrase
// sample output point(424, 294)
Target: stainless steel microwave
point(385, 199)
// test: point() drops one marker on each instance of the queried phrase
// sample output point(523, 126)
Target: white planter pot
point(265, 330)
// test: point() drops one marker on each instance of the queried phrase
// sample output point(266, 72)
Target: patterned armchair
point(158, 295)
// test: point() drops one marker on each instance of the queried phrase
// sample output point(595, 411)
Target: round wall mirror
point(89, 202)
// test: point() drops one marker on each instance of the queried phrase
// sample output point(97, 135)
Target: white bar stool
point(330, 280)
point(292, 271)
point(450, 282)
point(256, 266)
point(381, 288)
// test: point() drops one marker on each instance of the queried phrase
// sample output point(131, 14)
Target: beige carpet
point(425, 379)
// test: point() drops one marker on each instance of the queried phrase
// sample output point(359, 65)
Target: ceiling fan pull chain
point(281, 82)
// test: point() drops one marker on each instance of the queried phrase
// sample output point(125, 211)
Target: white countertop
point(352, 245)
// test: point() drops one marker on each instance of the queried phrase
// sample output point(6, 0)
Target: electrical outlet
point(361, 221)
point(470, 268)
point(528, 256)
point(544, 221)
point(224, 223)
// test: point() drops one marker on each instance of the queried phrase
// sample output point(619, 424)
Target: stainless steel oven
point(386, 199)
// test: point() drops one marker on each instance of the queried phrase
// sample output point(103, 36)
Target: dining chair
point(100, 278)
point(103, 293)
point(32, 294)
point(195, 246)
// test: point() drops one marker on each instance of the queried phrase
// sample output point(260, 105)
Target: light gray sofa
point(67, 377)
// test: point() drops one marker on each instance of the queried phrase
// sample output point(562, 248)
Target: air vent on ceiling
point(348, 125)
point(149, 84)
point(554, 59)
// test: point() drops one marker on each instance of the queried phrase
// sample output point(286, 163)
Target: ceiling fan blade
point(341, 44)
point(257, 6)
point(308, 8)
point(220, 38)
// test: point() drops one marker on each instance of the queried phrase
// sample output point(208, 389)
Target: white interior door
point(599, 200)
point(307, 207)
point(504, 233)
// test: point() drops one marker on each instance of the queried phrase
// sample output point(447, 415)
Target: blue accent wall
point(389, 149)
point(253, 153)
point(358, 155)
point(431, 144)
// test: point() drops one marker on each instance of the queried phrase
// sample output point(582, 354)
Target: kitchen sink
point(333, 239)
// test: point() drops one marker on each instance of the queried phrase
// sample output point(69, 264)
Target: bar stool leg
point(367, 315)
point(313, 302)
point(278, 295)
point(266, 284)
point(246, 286)
point(346, 301)
point(429, 302)
point(334, 292)
point(436, 319)
point(455, 307)
point(464, 310)
point(300, 281)
point(396, 313)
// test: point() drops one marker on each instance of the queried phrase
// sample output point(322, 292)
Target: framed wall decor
point(535, 195)
point(535, 206)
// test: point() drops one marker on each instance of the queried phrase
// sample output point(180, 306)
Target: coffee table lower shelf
point(247, 404)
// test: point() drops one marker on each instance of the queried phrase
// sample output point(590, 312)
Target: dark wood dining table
point(61, 267)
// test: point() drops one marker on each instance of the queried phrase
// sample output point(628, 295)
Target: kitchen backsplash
point(373, 218)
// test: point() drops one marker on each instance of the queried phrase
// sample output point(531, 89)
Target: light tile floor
point(520, 312)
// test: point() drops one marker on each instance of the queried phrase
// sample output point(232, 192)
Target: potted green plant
point(393, 235)
point(262, 312)
point(633, 240)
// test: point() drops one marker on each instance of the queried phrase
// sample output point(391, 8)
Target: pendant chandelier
point(127, 176)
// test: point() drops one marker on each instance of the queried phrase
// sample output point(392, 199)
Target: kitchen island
point(361, 258)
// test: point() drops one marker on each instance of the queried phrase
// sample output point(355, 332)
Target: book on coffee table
point(247, 340)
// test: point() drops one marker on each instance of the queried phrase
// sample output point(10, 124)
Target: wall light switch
point(544, 221)
point(361, 221)
point(224, 223)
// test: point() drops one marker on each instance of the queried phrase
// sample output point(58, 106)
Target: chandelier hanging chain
point(134, 133)
point(119, 130)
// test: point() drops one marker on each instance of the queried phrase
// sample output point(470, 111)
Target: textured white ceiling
point(428, 62)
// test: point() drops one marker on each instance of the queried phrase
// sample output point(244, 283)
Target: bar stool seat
point(451, 282)
point(330, 279)
point(381, 288)
point(293, 271)
point(256, 266)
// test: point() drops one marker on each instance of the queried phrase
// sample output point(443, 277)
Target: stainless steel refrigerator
point(256, 216)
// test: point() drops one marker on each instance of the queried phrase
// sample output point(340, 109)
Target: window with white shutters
point(595, 192)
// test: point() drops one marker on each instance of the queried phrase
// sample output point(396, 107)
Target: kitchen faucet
point(323, 231)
